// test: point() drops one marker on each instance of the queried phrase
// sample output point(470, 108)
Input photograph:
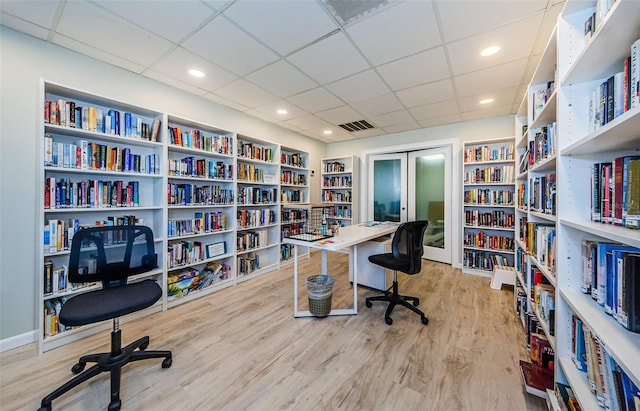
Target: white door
point(411, 186)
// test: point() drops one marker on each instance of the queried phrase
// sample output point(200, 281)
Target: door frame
point(454, 143)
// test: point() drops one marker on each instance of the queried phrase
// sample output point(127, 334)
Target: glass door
point(387, 184)
point(429, 198)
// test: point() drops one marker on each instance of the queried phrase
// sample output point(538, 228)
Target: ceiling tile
point(340, 115)
point(305, 21)
point(225, 102)
point(179, 61)
point(337, 134)
point(359, 87)
point(462, 18)
point(515, 41)
point(378, 105)
point(421, 68)
point(502, 97)
point(546, 27)
point(163, 78)
point(97, 53)
point(245, 93)
point(229, 47)
point(373, 132)
point(309, 122)
point(218, 4)
point(482, 81)
point(440, 121)
point(101, 29)
point(314, 100)
point(398, 31)
point(445, 108)
point(427, 93)
point(282, 79)
point(491, 112)
point(160, 16)
point(328, 60)
point(389, 119)
point(399, 128)
point(39, 12)
point(272, 108)
point(23, 26)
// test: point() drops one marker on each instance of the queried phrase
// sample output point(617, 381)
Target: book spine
point(635, 75)
point(632, 219)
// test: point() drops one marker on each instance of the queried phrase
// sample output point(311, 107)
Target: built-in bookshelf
point(340, 189)
point(294, 191)
point(101, 163)
point(200, 210)
point(258, 210)
point(488, 203)
point(596, 129)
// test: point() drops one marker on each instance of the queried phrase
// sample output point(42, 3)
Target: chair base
point(393, 298)
point(111, 362)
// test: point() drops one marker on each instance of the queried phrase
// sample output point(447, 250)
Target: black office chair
point(406, 256)
point(110, 255)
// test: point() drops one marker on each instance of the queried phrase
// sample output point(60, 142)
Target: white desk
point(348, 238)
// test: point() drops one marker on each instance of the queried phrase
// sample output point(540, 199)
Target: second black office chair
point(110, 255)
point(405, 256)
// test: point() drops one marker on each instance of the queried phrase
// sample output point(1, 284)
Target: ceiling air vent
point(356, 126)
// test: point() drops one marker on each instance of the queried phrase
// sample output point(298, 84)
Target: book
point(536, 379)
point(620, 173)
point(630, 298)
point(632, 218)
point(635, 75)
point(156, 129)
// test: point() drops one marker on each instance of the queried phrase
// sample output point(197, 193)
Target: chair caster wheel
point(78, 368)
point(115, 405)
point(143, 346)
point(368, 304)
point(388, 320)
point(425, 320)
point(416, 302)
point(167, 363)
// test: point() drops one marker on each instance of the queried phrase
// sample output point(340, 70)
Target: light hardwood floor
point(241, 348)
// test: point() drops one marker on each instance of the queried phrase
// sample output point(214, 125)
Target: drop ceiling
point(400, 65)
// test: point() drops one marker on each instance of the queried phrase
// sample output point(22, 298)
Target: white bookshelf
point(340, 188)
point(295, 191)
point(488, 205)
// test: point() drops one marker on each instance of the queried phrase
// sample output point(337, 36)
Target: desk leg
point(354, 257)
point(295, 281)
point(324, 262)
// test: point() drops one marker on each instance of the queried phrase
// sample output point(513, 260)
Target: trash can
point(320, 289)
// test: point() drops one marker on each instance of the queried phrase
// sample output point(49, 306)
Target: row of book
point(615, 192)
point(255, 218)
point(542, 297)
point(617, 94)
point(292, 196)
point(257, 195)
point(58, 234)
point(93, 156)
point(191, 194)
point(250, 173)
point(192, 252)
point(286, 251)
point(65, 193)
point(292, 229)
point(340, 211)
point(52, 309)
point(484, 260)
point(183, 282)
point(541, 244)
point(540, 148)
point(202, 222)
point(330, 196)
point(489, 219)
point(68, 113)
point(613, 388)
point(202, 168)
point(293, 160)
point(288, 215)
point(480, 196)
point(541, 96)
point(543, 194)
point(486, 153)
point(248, 263)
point(196, 139)
point(522, 193)
point(494, 242)
point(611, 275)
point(255, 152)
point(333, 167)
point(495, 174)
point(293, 178)
point(249, 240)
point(336, 181)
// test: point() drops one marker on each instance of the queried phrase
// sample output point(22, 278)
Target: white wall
point(24, 61)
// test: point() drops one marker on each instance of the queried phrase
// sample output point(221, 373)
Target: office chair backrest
point(111, 254)
point(407, 244)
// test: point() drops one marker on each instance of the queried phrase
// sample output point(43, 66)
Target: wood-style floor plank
point(242, 349)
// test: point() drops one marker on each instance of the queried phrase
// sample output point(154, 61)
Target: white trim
point(18, 340)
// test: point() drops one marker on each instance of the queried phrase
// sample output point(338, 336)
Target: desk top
point(349, 236)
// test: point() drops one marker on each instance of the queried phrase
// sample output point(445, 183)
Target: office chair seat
point(109, 303)
point(406, 257)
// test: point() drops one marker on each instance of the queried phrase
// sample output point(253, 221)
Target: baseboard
point(18, 341)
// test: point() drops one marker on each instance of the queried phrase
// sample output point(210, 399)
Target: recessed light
point(196, 73)
point(281, 111)
point(327, 132)
point(486, 101)
point(490, 51)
